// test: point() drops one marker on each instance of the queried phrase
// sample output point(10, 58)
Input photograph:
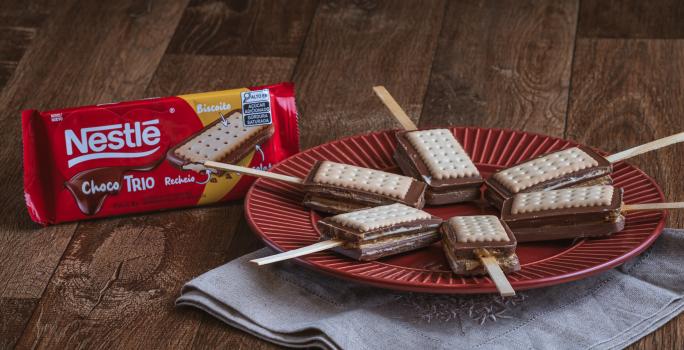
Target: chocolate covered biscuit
point(436, 157)
point(576, 166)
point(576, 212)
point(381, 231)
point(467, 238)
point(225, 140)
point(339, 188)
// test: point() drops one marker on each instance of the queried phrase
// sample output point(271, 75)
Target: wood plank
point(119, 277)
point(634, 86)
point(15, 313)
point(631, 19)
point(235, 27)
point(375, 43)
point(106, 54)
point(19, 22)
point(503, 64)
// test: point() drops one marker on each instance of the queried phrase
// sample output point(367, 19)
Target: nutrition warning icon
point(256, 107)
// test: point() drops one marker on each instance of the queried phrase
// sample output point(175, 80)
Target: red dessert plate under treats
point(275, 213)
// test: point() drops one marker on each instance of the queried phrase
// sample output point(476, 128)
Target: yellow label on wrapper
point(209, 107)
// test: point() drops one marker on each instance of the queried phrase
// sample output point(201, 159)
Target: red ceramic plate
point(274, 212)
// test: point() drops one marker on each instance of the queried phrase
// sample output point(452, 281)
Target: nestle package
point(147, 155)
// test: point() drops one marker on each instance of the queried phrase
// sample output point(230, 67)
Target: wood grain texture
point(375, 43)
point(15, 313)
point(106, 54)
point(240, 27)
point(632, 88)
point(503, 64)
point(19, 22)
point(631, 19)
point(118, 279)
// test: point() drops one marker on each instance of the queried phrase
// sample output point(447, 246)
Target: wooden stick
point(652, 206)
point(495, 273)
point(394, 108)
point(502, 285)
point(647, 147)
point(253, 172)
point(310, 249)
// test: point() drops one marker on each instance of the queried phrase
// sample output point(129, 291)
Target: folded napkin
point(294, 306)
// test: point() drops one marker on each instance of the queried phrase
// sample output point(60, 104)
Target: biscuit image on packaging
point(225, 140)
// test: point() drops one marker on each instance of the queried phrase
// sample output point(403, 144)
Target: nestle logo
point(56, 117)
point(107, 141)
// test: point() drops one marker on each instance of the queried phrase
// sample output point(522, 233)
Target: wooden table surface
point(606, 73)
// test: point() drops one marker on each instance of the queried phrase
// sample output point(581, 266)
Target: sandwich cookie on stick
point(433, 156)
point(339, 188)
point(226, 140)
point(478, 245)
point(576, 166)
point(577, 212)
point(370, 234)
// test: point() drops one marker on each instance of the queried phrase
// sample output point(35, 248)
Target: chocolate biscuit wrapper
point(146, 155)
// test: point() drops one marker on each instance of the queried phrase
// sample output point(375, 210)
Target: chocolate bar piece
point(576, 166)
point(436, 157)
point(225, 140)
point(381, 231)
point(466, 238)
point(576, 212)
point(339, 188)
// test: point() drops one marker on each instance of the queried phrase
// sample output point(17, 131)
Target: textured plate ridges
point(274, 212)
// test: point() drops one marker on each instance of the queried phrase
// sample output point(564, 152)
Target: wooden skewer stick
point(647, 147)
point(496, 274)
point(652, 206)
point(310, 249)
point(253, 172)
point(394, 108)
point(317, 247)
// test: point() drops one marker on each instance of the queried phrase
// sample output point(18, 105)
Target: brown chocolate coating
point(322, 197)
point(474, 267)
point(439, 191)
point(467, 250)
point(388, 247)
point(373, 244)
point(333, 205)
point(565, 216)
point(573, 231)
point(497, 194)
point(565, 223)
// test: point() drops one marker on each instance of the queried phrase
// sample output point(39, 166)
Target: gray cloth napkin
point(294, 306)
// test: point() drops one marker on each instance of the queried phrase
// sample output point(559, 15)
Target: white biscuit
point(479, 228)
point(218, 141)
point(379, 217)
point(575, 197)
point(369, 180)
point(442, 154)
point(552, 166)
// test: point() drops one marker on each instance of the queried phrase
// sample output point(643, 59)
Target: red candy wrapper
point(146, 155)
